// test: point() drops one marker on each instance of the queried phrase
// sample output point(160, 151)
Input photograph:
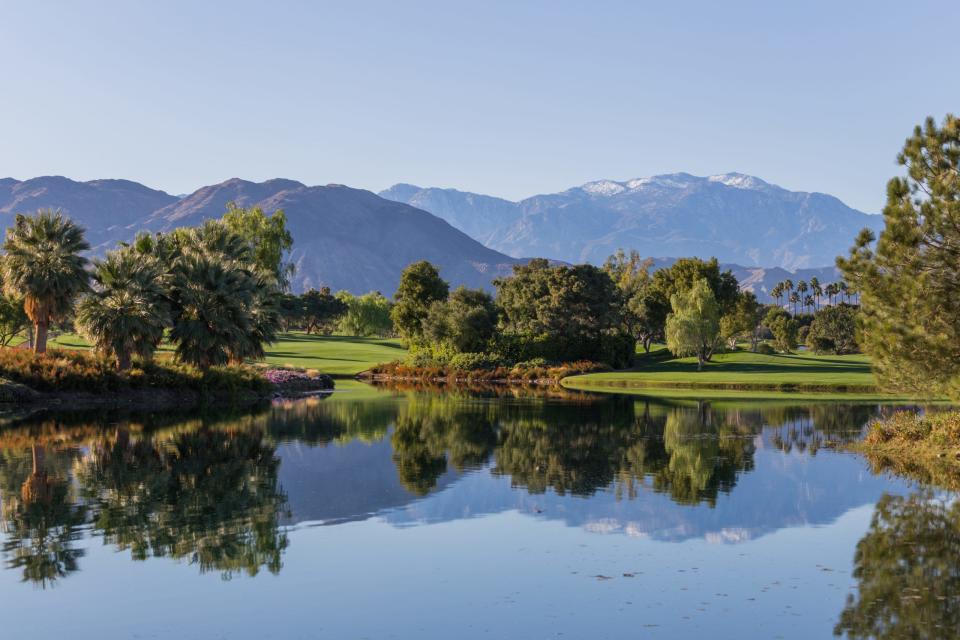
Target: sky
point(504, 98)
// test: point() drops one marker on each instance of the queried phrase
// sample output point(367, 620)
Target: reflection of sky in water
point(488, 547)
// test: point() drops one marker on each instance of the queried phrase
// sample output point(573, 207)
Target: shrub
point(941, 429)
point(64, 370)
point(473, 361)
point(764, 348)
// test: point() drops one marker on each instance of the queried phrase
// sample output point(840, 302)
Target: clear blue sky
point(506, 98)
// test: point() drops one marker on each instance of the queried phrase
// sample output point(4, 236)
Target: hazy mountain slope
point(103, 207)
point(734, 217)
point(477, 216)
point(346, 238)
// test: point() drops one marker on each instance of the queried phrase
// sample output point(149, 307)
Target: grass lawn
point(338, 356)
point(740, 370)
point(343, 356)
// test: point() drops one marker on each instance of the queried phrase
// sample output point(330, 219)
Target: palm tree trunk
point(123, 360)
point(40, 346)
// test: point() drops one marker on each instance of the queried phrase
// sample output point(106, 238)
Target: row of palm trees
point(807, 295)
point(198, 287)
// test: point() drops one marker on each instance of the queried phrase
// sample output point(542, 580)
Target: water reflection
point(907, 569)
point(41, 518)
point(220, 492)
point(205, 494)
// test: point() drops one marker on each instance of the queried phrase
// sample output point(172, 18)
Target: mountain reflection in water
point(222, 492)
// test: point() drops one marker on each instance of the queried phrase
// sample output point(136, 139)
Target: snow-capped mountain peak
point(604, 188)
point(738, 181)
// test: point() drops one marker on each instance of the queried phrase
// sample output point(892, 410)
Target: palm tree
point(808, 301)
point(802, 289)
point(777, 292)
point(43, 265)
point(128, 312)
point(816, 290)
point(794, 298)
point(264, 320)
point(831, 291)
point(211, 310)
point(844, 290)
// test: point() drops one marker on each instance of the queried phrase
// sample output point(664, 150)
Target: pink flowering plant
point(284, 376)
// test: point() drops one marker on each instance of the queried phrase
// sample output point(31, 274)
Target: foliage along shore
point(922, 446)
point(87, 379)
point(526, 374)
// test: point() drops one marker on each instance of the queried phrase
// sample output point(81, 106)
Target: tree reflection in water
point(206, 494)
point(41, 520)
point(207, 491)
point(577, 446)
point(907, 569)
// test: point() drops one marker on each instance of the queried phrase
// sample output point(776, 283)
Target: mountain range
point(343, 238)
point(354, 239)
point(737, 218)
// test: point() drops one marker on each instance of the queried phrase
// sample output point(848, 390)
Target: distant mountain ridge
point(103, 207)
point(352, 239)
point(344, 238)
point(735, 217)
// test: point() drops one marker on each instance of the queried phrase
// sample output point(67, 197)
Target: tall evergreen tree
point(909, 282)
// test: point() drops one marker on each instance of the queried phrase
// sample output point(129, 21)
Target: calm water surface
point(417, 514)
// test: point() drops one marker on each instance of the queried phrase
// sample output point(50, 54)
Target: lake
point(492, 513)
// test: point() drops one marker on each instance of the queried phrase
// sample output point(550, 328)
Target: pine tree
point(909, 282)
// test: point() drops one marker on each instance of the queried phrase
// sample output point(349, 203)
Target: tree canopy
point(43, 265)
point(909, 281)
point(269, 239)
point(420, 286)
point(693, 327)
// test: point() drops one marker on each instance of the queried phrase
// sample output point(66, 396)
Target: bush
point(615, 350)
point(940, 429)
point(474, 361)
point(764, 348)
point(618, 350)
point(64, 370)
point(529, 371)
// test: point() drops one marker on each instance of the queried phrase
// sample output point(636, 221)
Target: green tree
point(568, 313)
point(43, 265)
point(643, 311)
point(268, 237)
point(834, 330)
point(686, 272)
point(777, 292)
point(802, 289)
point(420, 286)
point(366, 315)
point(210, 310)
point(784, 329)
point(742, 322)
point(794, 299)
point(694, 326)
point(909, 281)
point(224, 304)
point(466, 322)
point(128, 311)
point(816, 290)
point(321, 310)
point(13, 318)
